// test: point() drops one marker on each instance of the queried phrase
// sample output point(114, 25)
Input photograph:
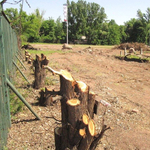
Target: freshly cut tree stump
point(77, 112)
point(48, 97)
point(28, 57)
point(45, 98)
point(57, 133)
point(39, 73)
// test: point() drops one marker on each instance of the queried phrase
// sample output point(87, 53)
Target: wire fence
point(8, 53)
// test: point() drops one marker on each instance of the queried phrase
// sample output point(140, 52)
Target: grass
point(47, 52)
point(16, 104)
point(133, 58)
point(94, 46)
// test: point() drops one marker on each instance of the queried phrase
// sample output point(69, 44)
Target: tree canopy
point(84, 19)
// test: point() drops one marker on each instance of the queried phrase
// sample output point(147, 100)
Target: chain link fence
point(8, 52)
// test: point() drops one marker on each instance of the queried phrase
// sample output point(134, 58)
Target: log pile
point(39, 73)
point(78, 105)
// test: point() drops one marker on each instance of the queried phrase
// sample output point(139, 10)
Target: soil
point(124, 85)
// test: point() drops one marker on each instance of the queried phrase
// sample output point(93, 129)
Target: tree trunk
point(39, 71)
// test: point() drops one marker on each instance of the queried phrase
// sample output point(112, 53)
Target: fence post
point(125, 52)
point(21, 72)
point(141, 51)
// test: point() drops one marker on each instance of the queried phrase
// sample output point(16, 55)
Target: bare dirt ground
point(125, 85)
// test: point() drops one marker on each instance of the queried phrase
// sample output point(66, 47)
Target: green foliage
point(137, 58)
point(114, 33)
point(47, 52)
point(84, 19)
point(138, 30)
point(47, 31)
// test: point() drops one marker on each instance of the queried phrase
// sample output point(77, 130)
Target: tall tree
point(59, 32)
point(85, 19)
point(47, 31)
point(114, 33)
point(144, 19)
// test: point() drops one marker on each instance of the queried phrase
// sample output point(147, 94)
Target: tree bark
point(57, 133)
point(39, 73)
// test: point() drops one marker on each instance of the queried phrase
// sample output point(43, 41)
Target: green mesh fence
point(8, 52)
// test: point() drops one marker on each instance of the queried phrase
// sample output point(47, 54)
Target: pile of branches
point(137, 46)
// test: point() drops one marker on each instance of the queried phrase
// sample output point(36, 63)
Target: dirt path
point(125, 85)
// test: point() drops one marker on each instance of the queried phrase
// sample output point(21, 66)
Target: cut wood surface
point(77, 112)
point(91, 127)
point(82, 132)
point(73, 102)
point(85, 119)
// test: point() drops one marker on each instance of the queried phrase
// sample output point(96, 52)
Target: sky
point(119, 10)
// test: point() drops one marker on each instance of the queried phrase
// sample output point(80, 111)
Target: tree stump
point(39, 73)
point(77, 111)
point(28, 57)
point(48, 97)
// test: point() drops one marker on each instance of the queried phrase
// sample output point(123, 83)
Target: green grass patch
point(47, 52)
point(133, 58)
point(94, 46)
point(16, 105)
